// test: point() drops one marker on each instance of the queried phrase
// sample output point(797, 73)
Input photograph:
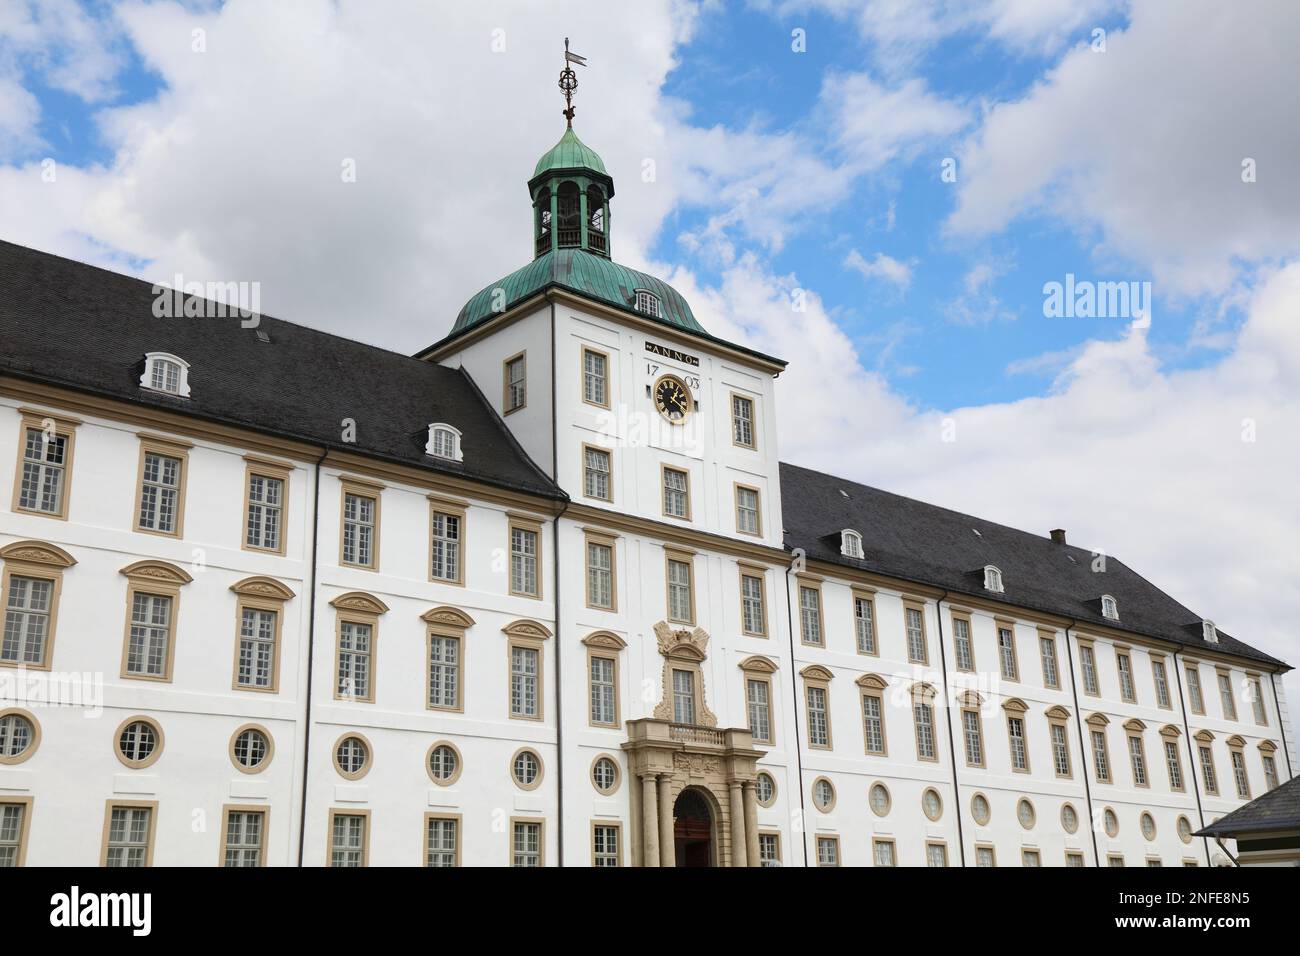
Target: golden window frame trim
point(360, 488)
point(541, 768)
point(168, 448)
point(460, 766)
point(160, 741)
point(65, 427)
point(282, 471)
point(113, 803)
point(618, 774)
point(41, 561)
point(30, 751)
point(270, 748)
point(365, 767)
point(226, 809)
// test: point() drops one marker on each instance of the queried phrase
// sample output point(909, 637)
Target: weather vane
point(569, 81)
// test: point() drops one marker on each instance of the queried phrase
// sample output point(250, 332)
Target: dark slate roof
point(906, 538)
point(70, 324)
point(1279, 809)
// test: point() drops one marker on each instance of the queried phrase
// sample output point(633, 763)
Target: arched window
point(648, 303)
point(1210, 632)
point(850, 544)
point(1109, 608)
point(992, 578)
point(542, 222)
point(596, 238)
point(569, 214)
point(444, 442)
point(167, 373)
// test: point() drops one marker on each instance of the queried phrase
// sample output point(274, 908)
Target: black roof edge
point(1232, 830)
point(553, 284)
point(554, 493)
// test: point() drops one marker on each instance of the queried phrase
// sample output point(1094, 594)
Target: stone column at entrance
point(667, 839)
point(738, 855)
point(649, 822)
point(751, 824)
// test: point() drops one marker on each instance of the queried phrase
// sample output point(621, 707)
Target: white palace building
point(545, 595)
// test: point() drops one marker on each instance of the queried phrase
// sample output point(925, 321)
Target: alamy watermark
point(1085, 299)
point(208, 300)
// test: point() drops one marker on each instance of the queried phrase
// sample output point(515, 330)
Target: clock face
point(673, 399)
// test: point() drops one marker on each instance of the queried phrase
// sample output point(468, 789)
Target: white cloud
point(882, 267)
point(1143, 145)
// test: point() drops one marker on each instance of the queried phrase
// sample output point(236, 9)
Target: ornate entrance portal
point(693, 829)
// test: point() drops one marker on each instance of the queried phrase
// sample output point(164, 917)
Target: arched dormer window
point(1109, 608)
point(992, 578)
point(1209, 632)
point(444, 442)
point(647, 303)
point(596, 240)
point(850, 544)
point(568, 212)
point(164, 372)
point(542, 222)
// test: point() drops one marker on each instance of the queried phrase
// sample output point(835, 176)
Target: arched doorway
point(693, 829)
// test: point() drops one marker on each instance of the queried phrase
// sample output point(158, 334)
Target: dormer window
point(444, 442)
point(1109, 608)
point(648, 303)
point(992, 579)
point(850, 544)
point(166, 373)
point(1209, 632)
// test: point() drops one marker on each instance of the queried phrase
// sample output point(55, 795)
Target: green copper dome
point(585, 274)
point(569, 153)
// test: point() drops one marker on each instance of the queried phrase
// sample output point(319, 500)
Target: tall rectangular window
point(160, 488)
point(13, 828)
point(1225, 695)
point(358, 545)
point(148, 649)
point(526, 844)
point(681, 602)
point(348, 839)
point(444, 554)
point(1270, 772)
point(1016, 734)
point(444, 672)
point(441, 836)
point(604, 845)
point(677, 496)
point(28, 609)
point(915, 636)
point(1257, 702)
point(595, 473)
point(1060, 750)
point(818, 727)
point(265, 507)
point(45, 462)
point(974, 738)
point(130, 836)
point(828, 851)
point(965, 657)
point(1125, 666)
point(603, 691)
point(1100, 759)
point(257, 646)
point(1007, 653)
point(1030, 858)
point(523, 681)
point(984, 856)
point(1138, 758)
point(1194, 689)
point(864, 624)
point(810, 615)
point(1047, 651)
point(757, 694)
point(1174, 765)
point(600, 575)
point(523, 561)
point(883, 852)
point(595, 378)
point(747, 521)
point(243, 843)
point(1239, 773)
point(355, 651)
point(769, 849)
point(923, 718)
point(515, 387)
point(1161, 681)
point(1207, 770)
point(742, 421)
point(683, 697)
point(873, 723)
point(753, 614)
point(1089, 665)
point(936, 854)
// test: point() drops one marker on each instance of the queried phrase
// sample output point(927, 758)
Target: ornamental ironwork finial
point(569, 81)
